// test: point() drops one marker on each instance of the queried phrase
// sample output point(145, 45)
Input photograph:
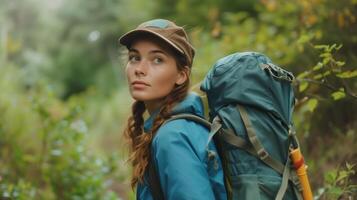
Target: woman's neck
point(153, 105)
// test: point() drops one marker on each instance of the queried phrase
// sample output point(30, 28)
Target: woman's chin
point(140, 96)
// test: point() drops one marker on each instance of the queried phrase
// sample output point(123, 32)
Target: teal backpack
point(250, 104)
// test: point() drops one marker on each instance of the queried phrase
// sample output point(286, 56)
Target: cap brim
point(128, 38)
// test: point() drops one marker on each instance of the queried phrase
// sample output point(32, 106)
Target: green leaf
point(338, 94)
point(349, 166)
point(336, 191)
point(312, 104)
point(340, 63)
point(332, 47)
point(304, 38)
point(303, 86)
point(336, 70)
point(321, 47)
point(327, 73)
point(330, 177)
point(326, 55)
point(318, 76)
point(318, 66)
point(342, 175)
point(347, 74)
point(303, 74)
point(339, 47)
point(352, 187)
point(326, 60)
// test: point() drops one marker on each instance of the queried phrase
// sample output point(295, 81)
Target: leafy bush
point(338, 184)
point(43, 150)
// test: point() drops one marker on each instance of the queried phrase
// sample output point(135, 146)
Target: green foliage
point(46, 157)
point(208, 15)
point(73, 172)
point(66, 43)
point(21, 190)
point(311, 104)
point(338, 184)
point(328, 73)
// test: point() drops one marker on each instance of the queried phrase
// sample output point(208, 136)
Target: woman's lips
point(139, 85)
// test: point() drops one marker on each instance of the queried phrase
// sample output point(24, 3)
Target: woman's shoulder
point(181, 127)
point(181, 131)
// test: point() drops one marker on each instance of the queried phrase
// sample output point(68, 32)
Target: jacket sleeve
point(180, 156)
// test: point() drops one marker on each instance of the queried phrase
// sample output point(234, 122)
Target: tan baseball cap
point(168, 31)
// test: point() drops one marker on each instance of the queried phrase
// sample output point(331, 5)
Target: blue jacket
point(181, 158)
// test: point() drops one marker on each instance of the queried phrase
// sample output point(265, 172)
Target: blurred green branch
point(329, 73)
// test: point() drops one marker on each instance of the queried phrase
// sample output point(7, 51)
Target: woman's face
point(151, 71)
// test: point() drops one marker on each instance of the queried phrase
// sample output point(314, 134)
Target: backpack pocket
point(257, 187)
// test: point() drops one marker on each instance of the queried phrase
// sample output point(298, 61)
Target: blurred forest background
point(64, 98)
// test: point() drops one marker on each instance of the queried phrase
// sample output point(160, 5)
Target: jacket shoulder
point(181, 133)
point(183, 127)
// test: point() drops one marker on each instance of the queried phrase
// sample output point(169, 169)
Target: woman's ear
point(182, 76)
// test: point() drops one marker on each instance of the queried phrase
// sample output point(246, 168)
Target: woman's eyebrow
point(158, 51)
point(133, 50)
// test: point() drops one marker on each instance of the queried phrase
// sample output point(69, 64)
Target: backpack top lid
point(250, 79)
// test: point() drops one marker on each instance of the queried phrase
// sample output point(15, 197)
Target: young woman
point(158, 72)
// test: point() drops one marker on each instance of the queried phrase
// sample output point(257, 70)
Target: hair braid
point(133, 134)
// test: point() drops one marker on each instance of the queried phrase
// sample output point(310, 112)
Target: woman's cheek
point(127, 73)
point(166, 86)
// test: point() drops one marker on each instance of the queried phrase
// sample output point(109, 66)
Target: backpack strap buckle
point(262, 154)
point(215, 127)
point(292, 134)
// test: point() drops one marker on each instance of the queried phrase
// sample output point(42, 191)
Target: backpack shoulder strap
point(191, 117)
point(154, 182)
point(253, 138)
point(263, 155)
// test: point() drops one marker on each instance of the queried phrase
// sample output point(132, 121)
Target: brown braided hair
point(139, 142)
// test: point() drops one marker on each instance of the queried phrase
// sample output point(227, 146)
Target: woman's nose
point(141, 69)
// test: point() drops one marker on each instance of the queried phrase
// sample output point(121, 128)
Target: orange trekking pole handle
point(300, 167)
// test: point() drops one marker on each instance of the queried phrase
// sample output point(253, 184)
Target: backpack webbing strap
point(298, 193)
point(214, 127)
point(190, 117)
point(262, 153)
point(154, 182)
point(284, 182)
point(228, 136)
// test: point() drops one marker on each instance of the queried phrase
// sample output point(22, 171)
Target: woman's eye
point(158, 60)
point(134, 58)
